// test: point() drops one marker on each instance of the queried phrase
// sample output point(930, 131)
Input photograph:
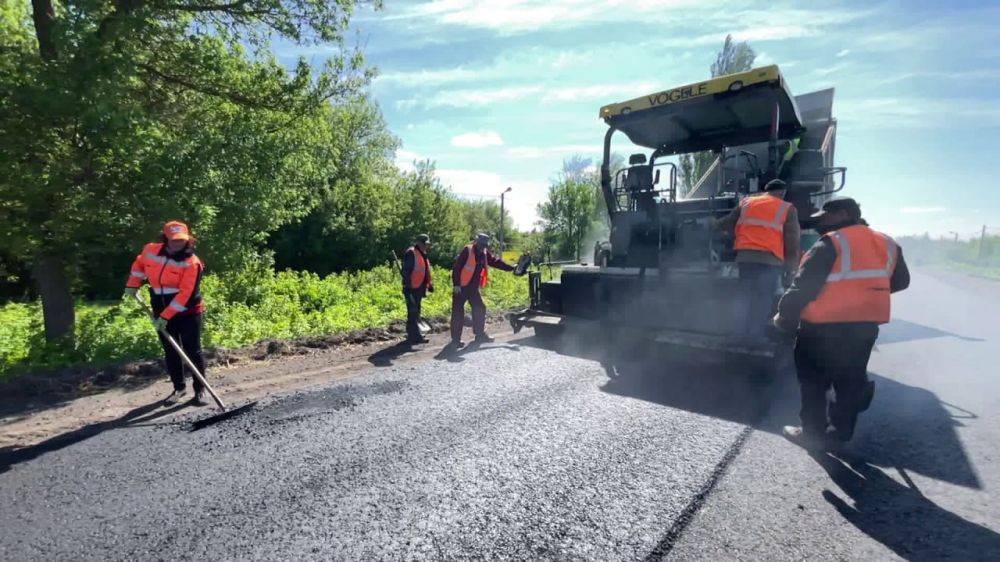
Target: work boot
point(485, 338)
point(175, 396)
point(457, 344)
point(421, 339)
point(805, 439)
point(199, 398)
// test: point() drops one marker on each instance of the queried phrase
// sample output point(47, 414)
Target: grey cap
point(841, 204)
point(423, 239)
point(483, 238)
point(774, 184)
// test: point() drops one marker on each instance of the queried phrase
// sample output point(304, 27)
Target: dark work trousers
point(413, 299)
point(759, 283)
point(186, 331)
point(838, 358)
point(473, 296)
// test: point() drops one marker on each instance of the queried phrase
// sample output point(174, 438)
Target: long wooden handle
point(187, 360)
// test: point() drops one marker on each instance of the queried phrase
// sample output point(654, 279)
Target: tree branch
point(208, 90)
point(205, 7)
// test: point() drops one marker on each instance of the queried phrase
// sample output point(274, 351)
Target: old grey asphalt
point(512, 450)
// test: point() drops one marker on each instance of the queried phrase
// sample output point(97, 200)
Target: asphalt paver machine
point(665, 272)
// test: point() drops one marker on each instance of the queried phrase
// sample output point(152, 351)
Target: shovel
point(226, 412)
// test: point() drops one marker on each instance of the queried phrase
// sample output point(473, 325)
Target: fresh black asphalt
point(510, 450)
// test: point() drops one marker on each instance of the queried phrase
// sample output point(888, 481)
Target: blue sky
point(498, 92)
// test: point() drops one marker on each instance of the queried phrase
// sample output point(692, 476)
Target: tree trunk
point(44, 16)
point(57, 301)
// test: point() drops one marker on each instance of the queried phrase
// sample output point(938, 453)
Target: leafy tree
point(735, 56)
point(484, 216)
point(115, 116)
point(571, 209)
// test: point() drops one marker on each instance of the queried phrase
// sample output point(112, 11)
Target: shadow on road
point(451, 354)
point(907, 426)
point(384, 357)
point(900, 517)
point(10, 456)
point(899, 331)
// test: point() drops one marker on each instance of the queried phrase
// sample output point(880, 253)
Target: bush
point(241, 309)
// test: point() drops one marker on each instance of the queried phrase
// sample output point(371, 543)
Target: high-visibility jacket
point(421, 269)
point(173, 285)
point(858, 286)
point(469, 268)
point(761, 225)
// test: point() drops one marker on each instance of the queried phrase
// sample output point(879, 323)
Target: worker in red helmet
point(174, 273)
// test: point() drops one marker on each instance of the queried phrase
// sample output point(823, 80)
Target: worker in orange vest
point(469, 274)
point(836, 303)
point(417, 283)
point(174, 273)
point(766, 235)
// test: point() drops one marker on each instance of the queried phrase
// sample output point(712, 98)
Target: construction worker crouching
point(766, 235)
point(836, 303)
point(417, 282)
point(469, 274)
point(174, 276)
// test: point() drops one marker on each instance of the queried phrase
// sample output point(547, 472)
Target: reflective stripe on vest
point(761, 225)
point(858, 286)
point(469, 269)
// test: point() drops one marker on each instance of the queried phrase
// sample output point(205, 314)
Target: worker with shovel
point(417, 282)
point(469, 274)
point(174, 273)
point(835, 306)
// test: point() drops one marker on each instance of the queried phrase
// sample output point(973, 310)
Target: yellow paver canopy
point(730, 110)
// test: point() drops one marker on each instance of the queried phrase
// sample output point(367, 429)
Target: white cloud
point(888, 112)
point(521, 202)
point(527, 15)
point(922, 210)
point(564, 150)
point(843, 53)
point(405, 160)
point(479, 139)
point(606, 93)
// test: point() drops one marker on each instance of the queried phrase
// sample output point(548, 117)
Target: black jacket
point(816, 266)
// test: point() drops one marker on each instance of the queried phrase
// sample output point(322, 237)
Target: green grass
point(241, 309)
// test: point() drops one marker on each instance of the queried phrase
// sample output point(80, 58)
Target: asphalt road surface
point(513, 450)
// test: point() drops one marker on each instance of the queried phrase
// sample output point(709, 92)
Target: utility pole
point(982, 244)
point(505, 192)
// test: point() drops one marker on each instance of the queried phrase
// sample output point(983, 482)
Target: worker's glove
point(430, 288)
point(130, 293)
point(456, 290)
point(782, 324)
point(160, 324)
point(788, 278)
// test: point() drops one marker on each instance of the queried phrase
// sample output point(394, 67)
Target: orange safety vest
point(761, 225)
point(857, 288)
point(421, 269)
point(469, 269)
point(172, 281)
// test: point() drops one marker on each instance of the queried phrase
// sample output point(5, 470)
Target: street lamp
point(955, 233)
point(500, 241)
